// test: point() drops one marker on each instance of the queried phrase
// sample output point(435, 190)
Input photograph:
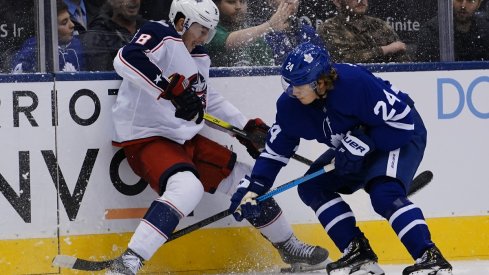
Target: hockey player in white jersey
point(377, 141)
point(157, 118)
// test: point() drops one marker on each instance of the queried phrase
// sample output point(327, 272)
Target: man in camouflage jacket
point(351, 36)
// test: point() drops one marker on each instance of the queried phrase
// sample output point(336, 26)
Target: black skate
point(358, 258)
point(128, 263)
point(301, 256)
point(431, 263)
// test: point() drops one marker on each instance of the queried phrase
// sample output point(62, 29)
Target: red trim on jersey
point(272, 221)
point(163, 42)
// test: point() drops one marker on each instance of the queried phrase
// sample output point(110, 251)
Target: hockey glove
point(257, 131)
point(243, 202)
point(188, 105)
point(350, 154)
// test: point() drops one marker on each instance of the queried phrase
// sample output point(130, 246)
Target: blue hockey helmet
point(305, 64)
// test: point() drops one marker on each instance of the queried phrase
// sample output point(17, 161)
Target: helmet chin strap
point(315, 88)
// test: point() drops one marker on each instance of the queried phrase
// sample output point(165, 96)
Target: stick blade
point(64, 261)
point(71, 262)
point(420, 181)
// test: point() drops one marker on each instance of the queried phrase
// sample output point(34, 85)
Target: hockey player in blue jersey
point(377, 141)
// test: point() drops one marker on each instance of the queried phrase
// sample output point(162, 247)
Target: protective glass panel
point(18, 36)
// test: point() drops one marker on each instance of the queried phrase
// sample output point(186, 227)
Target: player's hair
point(329, 78)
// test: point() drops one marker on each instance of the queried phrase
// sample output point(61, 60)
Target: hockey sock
point(407, 220)
point(338, 220)
point(154, 229)
point(183, 192)
point(271, 223)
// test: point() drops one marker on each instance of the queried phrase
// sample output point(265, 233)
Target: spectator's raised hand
point(394, 47)
point(279, 20)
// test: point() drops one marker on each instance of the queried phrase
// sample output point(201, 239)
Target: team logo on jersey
point(199, 86)
point(334, 139)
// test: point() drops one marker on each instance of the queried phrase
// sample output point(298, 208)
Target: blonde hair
point(329, 79)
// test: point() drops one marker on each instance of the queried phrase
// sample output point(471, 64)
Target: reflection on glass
point(471, 34)
point(17, 24)
point(110, 30)
point(70, 55)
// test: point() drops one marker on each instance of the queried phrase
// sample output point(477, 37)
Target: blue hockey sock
point(339, 221)
point(389, 200)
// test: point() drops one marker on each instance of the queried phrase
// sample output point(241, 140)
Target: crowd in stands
point(251, 32)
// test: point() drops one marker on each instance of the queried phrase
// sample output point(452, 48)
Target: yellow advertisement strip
point(239, 249)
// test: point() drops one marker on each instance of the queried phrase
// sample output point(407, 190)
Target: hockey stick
point(87, 265)
point(235, 130)
point(71, 262)
point(419, 182)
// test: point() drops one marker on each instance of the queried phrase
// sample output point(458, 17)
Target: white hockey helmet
point(204, 12)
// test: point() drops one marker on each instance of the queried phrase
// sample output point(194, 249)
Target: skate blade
point(433, 272)
point(298, 268)
point(368, 268)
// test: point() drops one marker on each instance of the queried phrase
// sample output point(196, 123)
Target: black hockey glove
point(257, 131)
point(350, 154)
point(187, 103)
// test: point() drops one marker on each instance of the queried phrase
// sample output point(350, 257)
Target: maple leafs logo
point(308, 58)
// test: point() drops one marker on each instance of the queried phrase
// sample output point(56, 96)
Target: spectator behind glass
point(236, 44)
point(351, 36)
point(112, 29)
point(82, 12)
point(298, 32)
point(93, 9)
point(78, 14)
point(471, 34)
point(17, 24)
point(155, 9)
point(69, 47)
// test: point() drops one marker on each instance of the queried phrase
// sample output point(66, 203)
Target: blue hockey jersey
point(70, 57)
point(358, 99)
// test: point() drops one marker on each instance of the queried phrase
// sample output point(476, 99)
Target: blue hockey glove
point(350, 154)
point(243, 202)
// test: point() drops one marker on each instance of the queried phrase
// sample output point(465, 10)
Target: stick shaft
point(235, 130)
point(269, 194)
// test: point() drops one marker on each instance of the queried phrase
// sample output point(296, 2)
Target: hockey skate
point(128, 263)
point(302, 257)
point(358, 258)
point(431, 263)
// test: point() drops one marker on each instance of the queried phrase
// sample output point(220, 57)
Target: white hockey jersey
point(156, 52)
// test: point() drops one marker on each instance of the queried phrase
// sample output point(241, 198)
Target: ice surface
point(478, 267)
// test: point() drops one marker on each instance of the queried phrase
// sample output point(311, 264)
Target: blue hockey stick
point(269, 194)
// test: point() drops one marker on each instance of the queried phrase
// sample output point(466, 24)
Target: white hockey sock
point(277, 231)
point(146, 240)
